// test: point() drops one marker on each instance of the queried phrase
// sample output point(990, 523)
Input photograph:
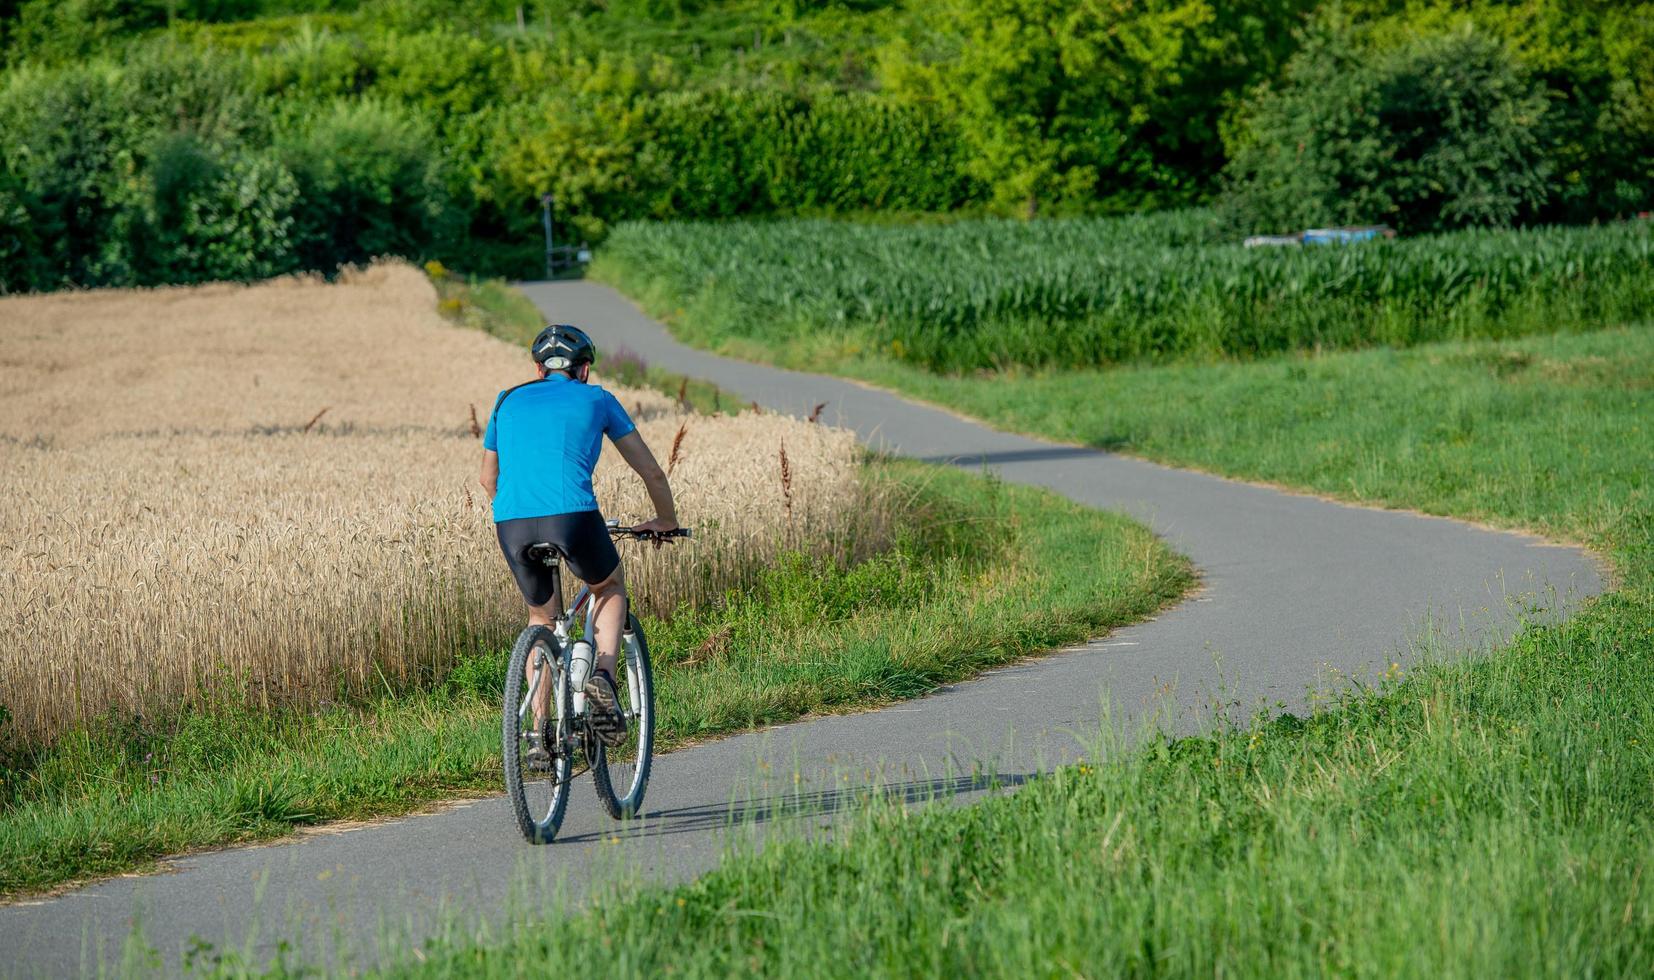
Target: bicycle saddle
point(543, 553)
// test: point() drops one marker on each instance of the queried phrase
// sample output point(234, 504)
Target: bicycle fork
point(543, 673)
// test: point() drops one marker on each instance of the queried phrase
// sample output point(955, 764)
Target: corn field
point(1091, 292)
point(267, 495)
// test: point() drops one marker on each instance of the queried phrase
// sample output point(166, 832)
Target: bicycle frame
point(562, 620)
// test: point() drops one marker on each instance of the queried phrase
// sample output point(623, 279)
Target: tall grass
point(1088, 292)
point(268, 495)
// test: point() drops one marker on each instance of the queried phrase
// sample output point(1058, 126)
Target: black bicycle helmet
point(561, 347)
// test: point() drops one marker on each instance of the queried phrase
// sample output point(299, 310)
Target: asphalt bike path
point(1297, 593)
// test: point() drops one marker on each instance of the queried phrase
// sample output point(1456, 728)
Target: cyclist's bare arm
point(637, 455)
point(490, 477)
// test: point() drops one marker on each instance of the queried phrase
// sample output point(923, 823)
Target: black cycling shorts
point(583, 539)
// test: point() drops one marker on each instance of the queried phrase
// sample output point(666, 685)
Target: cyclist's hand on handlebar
point(653, 526)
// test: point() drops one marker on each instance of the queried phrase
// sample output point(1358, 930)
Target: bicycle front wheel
point(538, 746)
point(621, 772)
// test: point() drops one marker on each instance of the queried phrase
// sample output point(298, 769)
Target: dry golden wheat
point(273, 488)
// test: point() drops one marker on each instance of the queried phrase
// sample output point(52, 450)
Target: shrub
point(84, 148)
point(20, 249)
point(203, 215)
point(1438, 134)
point(370, 182)
point(69, 143)
point(430, 127)
point(727, 152)
point(732, 152)
point(1086, 107)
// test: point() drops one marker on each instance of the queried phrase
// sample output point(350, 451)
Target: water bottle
point(580, 663)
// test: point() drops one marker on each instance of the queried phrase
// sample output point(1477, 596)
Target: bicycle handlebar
point(627, 532)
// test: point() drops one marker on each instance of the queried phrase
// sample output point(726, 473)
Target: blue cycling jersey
point(549, 434)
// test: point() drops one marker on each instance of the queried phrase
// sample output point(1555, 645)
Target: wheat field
point(269, 493)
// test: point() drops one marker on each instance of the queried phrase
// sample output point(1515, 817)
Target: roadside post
point(559, 258)
point(545, 219)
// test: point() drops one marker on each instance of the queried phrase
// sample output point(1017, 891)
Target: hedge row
point(157, 171)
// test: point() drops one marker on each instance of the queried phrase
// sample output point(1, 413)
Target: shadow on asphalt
point(812, 803)
point(1016, 455)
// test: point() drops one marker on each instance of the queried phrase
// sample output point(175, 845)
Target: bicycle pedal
point(537, 759)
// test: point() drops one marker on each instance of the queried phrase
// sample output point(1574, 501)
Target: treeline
point(174, 141)
point(161, 172)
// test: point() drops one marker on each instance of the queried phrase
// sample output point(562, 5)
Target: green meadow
point(1488, 817)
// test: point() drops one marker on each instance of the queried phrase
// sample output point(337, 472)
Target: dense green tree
point(1442, 132)
point(1045, 90)
point(23, 261)
point(1596, 61)
point(608, 157)
point(1071, 104)
point(70, 151)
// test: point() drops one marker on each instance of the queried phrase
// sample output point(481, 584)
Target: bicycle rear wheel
point(539, 789)
point(621, 772)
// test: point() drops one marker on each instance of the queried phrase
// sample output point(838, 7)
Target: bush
point(100, 162)
point(1605, 108)
point(370, 182)
point(731, 152)
point(203, 214)
point(1439, 134)
point(69, 147)
point(20, 249)
point(429, 128)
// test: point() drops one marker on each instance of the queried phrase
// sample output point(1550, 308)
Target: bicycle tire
point(537, 800)
point(633, 759)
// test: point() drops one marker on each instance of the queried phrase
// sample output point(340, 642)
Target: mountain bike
point(543, 755)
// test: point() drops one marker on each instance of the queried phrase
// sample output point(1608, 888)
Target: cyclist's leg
point(539, 616)
point(592, 557)
point(534, 581)
point(609, 618)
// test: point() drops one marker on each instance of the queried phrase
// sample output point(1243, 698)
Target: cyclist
point(542, 443)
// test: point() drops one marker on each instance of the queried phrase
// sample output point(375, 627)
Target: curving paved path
point(1298, 591)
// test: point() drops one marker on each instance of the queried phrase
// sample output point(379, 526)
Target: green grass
point(949, 599)
point(985, 295)
point(1469, 819)
point(1551, 433)
point(489, 305)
